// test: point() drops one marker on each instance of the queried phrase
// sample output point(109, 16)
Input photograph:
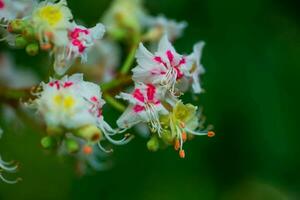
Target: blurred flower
point(195, 67)
point(12, 9)
point(81, 40)
point(159, 26)
point(124, 18)
point(166, 67)
point(145, 106)
point(12, 76)
point(7, 167)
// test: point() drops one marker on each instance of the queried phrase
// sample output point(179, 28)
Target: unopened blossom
point(80, 41)
point(159, 26)
point(195, 67)
point(51, 21)
point(165, 67)
point(144, 107)
point(7, 167)
point(12, 9)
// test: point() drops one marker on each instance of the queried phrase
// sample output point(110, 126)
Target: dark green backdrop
point(252, 95)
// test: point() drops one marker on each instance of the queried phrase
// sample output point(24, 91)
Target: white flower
point(161, 25)
point(12, 9)
point(72, 103)
point(81, 40)
point(195, 67)
point(144, 106)
point(52, 21)
point(166, 67)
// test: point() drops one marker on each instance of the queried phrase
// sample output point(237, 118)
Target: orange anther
point(177, 145)
point(46, 46)
point(184, 136)
point(211, 134)
point(87, 150)
point(49, 35)
point(182, 154)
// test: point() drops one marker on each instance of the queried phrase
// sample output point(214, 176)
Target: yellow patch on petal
point(58, 99)
point(69, 102)
point(51, 14)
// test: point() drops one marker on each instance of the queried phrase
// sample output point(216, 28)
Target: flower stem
point(113, 102)
point(129, 61)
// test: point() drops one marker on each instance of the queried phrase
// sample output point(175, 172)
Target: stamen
point(211, 134)
point(87, 150)
point(184, 136)
point(182, 153)
point(177, 144)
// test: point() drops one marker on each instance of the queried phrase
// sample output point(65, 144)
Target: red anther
point(184, 136)
point(49, 35)
point(182, 154)
point(211, 134)
point(87, 150)
point(177, 145)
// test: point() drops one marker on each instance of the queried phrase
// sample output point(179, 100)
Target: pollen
point(51, 14)
point(182, 154)
point(211, 134)
point(87, 150)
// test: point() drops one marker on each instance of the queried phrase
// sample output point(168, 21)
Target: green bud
point(32, 49)
point(16, 26)
point(167, 137)
point(72, 145)
point(21, 42)
point(48, 142)
point(28, 33)
point(90, 133)
point(153, 144)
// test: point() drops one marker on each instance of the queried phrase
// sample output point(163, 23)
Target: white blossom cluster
point(72, 108)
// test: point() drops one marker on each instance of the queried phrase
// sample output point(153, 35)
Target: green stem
point(129, 61)
point(113, 102)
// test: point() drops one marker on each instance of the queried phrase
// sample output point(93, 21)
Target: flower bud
point(153, 144)
point(20, 42)
point(32, 49)
point(16, 26)
point(90, 133)
point(167, 137)
point(28, 32)
point(48, 142)
point(72, 145)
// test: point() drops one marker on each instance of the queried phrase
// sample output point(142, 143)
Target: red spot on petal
point(94, 99)
point(151, 92)
point(170, 56)
point(138, 108)
point(138, 95)
point(68, 84)
point(159, 60)
point(182, 62)
point(2, 4)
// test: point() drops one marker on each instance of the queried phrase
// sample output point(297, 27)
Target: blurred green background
point(252, 95)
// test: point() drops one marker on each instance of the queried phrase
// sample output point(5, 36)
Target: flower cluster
point(160, 79)
point(50, 27)
point(72, 109)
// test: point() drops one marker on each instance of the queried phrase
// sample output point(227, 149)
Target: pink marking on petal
point(151, 90)
point(182, 62)
point(68, 84)
point(159, 60)
point(138, 108)
point(81, 48)
point(94, 99)
point(170, 56)
point(99, 112)
point(2, 4)
point(138, 95)
point(179, 73)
